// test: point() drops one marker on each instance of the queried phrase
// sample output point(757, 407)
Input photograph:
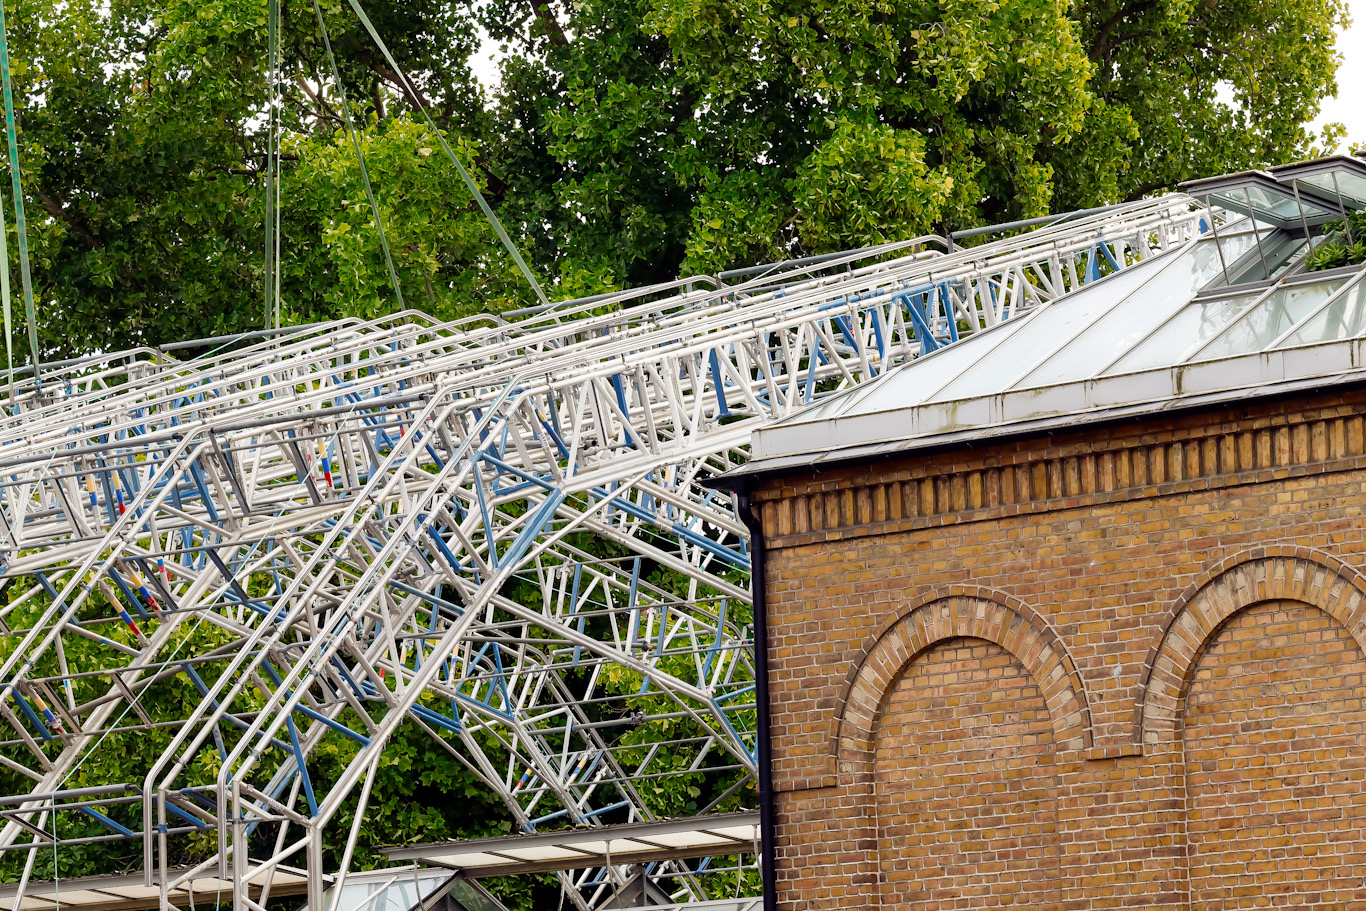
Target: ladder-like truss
point(493, 531)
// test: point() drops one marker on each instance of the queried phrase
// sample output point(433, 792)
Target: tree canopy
point(628, 142)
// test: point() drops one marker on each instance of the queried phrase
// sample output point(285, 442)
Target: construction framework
point(303, 541)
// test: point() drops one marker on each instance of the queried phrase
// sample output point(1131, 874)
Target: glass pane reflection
point(1194, 325)
point(400, 895)
point(1126, 325)
point(1264, 323)
point(1343, 318)
point(1350, 186)
point(1281, 207)
point(1047, 329)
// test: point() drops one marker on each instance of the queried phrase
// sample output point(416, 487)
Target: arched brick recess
point(1242, 580)
point(1273, 760)
point(962, 612)
point(965, 783)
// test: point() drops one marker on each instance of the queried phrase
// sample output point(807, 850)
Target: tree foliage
point(628, 140)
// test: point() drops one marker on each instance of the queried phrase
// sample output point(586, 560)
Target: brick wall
point(1117, 668)
point(1275, 748)
point(966, 786)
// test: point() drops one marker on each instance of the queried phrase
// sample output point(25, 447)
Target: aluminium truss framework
point(305, 543)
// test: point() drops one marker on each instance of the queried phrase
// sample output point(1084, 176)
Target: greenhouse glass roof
point(1230, 314)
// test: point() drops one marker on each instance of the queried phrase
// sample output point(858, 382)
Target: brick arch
point(963, 611)
point(1240, 581)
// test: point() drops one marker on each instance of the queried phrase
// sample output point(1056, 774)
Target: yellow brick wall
point(965, 783)
point(1274, 745)
point(1115, 668)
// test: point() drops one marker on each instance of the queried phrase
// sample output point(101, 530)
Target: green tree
point(629, 140)
point(145, 157)
point(1189, 88)
point(701, 134)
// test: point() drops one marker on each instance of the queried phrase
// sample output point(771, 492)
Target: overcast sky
point(1350, 106)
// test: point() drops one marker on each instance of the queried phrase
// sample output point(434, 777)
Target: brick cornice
point(1089, 470)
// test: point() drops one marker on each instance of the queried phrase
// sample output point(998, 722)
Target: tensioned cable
point(5, 295)
point(464, 175)
point(19, 223)
point(272, 282)
point(360, 158)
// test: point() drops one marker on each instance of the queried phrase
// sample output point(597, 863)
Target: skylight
point(1233, 309)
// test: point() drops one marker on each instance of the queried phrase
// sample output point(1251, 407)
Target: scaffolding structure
point(301, 542)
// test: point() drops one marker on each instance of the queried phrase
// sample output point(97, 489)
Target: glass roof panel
point(1351, 187)
point(1275, 205)
point(1050, 327)
point(473, 897)
point(1337, 180)
point(1193, 325)
point(933, 371)
point(1277, 253)
point(835, 404)
point(1343, 318)
point(1293, 255)
point(1265, 322)
point(1124, 327)
point(399, 894)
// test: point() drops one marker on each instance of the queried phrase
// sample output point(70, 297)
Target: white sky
point(484, 63)
point(1348, 108)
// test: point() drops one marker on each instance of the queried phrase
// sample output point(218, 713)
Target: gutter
point(970, 438)
point(764, 758)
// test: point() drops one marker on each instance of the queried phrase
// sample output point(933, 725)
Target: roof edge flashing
point(1158, 388)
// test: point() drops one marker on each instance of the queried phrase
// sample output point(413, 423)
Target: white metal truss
point(361, 525)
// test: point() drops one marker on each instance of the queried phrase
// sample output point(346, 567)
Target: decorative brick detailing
point(1274, 741)
point(1274, 573)
point(971, 613)
point(1140, 697)
point(1005, 481)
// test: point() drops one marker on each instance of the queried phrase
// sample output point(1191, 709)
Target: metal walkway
point(326, 535)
